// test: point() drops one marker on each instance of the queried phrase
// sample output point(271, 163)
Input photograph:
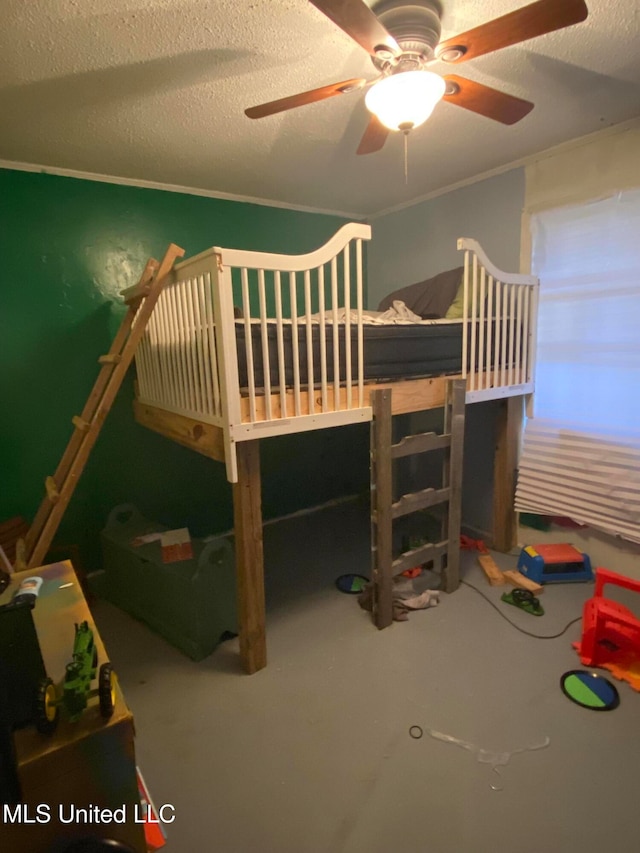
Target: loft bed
point(242, 345)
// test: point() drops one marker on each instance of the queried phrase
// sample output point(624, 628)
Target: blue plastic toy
point(554, 564)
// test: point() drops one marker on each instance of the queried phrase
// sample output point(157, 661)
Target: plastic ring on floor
point(415, 732)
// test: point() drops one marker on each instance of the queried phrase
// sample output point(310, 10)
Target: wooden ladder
point(384, 510)
point(59, 488)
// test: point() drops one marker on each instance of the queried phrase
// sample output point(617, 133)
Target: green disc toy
point(589, 690)
point(351, 584)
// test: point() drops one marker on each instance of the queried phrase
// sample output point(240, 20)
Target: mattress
point(390, 351)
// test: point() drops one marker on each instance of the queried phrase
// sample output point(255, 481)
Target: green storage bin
point(191, 603)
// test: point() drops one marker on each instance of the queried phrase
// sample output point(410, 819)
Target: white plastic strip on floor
point(591, 479)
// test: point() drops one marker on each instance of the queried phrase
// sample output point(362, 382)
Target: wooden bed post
point(508, 432)
point(247, 510)
point(382, 498)
point(454, 420)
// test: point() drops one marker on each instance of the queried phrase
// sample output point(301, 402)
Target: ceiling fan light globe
point(405, 98)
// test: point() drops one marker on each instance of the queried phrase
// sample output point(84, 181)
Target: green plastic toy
point(525, 600)
point(76, 687)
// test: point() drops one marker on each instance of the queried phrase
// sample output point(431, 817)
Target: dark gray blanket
point(430, 298)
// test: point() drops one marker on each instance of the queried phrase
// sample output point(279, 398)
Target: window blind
point(581, 450)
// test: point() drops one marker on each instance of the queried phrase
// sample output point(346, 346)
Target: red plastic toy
point(469, 544)
point(611, 632)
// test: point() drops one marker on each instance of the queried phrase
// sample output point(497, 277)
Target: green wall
point(67, 248)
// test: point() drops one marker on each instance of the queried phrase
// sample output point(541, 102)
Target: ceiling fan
point(403, 38)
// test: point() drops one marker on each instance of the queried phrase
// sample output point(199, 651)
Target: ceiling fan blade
point(484, 100)
point(359, 22)
point(374, 137)
point(303, 98)
point(538, 18)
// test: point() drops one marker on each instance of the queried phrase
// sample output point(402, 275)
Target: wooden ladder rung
point(134, 294)
point(80, 423)
point(420, 443)
point(417, 556)
point(52, 490)
point(415, 501)
point(110, 358)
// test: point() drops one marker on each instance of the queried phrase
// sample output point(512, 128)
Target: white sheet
point(397, 315)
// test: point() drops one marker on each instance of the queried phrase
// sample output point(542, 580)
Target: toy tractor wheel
point(107, 690)
point(47, 710)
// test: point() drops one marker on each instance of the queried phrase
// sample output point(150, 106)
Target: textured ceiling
point(155, 90)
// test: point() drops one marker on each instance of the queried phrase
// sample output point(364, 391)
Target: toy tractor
point(76, 688)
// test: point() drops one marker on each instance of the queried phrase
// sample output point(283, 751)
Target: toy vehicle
point(28, 697)
point(76, 688)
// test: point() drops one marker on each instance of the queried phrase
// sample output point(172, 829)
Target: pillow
point(456, 310)
point(430, 298)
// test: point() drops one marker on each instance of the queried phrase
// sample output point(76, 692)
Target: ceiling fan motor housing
point(415, 26)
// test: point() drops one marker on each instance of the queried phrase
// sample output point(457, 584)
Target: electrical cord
point(517, 627)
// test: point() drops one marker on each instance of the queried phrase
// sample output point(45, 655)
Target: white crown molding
point(355, 216)
point(172, 188)
point(507, 167)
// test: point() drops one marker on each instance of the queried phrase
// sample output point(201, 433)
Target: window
point(581, 450)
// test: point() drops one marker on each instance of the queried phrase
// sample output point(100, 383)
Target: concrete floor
point(313, 754)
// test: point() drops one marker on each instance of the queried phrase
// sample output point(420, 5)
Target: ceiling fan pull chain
point(406, 169)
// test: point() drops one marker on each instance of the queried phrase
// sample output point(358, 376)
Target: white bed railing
point(295, 358)
point(176, 361)
point(188, 361)
point(499, 327)
point(298, 298)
